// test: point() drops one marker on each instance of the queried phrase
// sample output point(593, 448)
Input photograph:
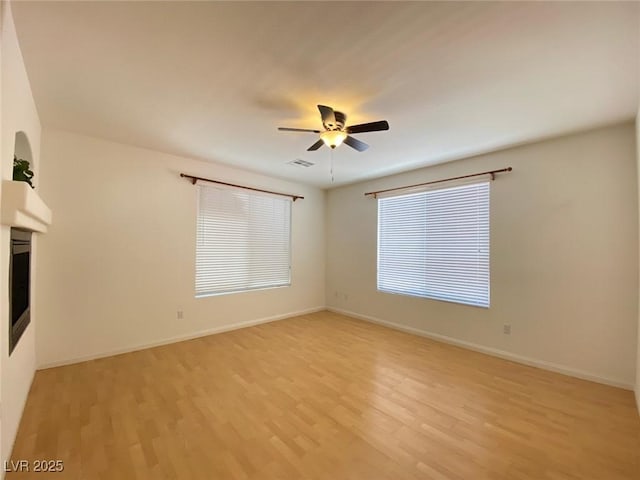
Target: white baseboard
point(637, 393)
point(181, 338)
point(492, 351)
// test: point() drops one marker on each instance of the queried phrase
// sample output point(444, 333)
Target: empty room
point(319, 240)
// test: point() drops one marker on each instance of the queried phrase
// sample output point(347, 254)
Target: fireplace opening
point(19, 285)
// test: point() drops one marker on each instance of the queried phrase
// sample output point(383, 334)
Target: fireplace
point(19, 285)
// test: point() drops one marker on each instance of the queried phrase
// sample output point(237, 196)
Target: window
point(435, 244)
point(243, 241)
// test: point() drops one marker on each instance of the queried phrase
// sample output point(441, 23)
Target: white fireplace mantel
point(22, 207)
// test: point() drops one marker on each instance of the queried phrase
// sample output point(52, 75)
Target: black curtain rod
point(195, 179)
point(490, 172)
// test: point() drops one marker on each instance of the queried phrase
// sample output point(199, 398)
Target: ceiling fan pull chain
point(331, 165)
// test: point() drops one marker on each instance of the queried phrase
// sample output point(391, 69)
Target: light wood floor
point(323, 396)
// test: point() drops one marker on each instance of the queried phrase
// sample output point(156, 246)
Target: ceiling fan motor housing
point(340, 120)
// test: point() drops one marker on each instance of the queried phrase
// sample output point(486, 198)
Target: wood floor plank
point(324, 396)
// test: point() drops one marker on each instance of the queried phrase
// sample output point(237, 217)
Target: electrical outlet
point(506, 329)
point(180, 315)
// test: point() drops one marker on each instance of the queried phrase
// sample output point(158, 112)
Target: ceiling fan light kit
point(335, 133)
point(333, 138)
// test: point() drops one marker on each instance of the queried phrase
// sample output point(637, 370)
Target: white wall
point(119, 260)
point(18, 114)
point(564, 256)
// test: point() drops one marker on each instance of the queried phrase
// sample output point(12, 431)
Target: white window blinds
point(435, 244)
point(243, 241)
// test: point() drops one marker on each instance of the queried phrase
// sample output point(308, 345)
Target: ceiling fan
point(335, 132)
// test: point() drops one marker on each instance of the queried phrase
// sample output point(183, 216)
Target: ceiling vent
point(301, 163)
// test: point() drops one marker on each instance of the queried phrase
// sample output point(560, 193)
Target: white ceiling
point(215, 80)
